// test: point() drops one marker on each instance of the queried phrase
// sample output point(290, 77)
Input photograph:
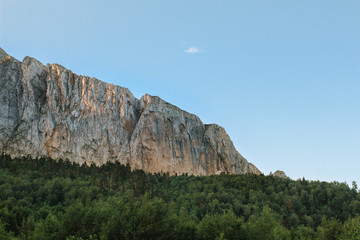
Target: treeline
point(48, 199)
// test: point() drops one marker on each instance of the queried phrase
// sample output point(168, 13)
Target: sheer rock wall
point(50, 111)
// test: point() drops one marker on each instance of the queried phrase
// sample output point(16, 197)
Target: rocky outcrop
point(50, 111)
point(280, 174)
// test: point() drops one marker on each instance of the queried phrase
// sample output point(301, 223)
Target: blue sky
point(282, 77)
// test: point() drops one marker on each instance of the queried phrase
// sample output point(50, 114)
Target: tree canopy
point(48, 199)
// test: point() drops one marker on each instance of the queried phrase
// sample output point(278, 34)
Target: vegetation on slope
point(47, 199)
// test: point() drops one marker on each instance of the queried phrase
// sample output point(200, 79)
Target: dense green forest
point(47, 199)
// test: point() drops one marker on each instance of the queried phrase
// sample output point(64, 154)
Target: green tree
point(351, 229)
point(214, 226)
point(265, 227)
point(47, 229)
point(3, 234)
point(143, 219)
point(330, 229)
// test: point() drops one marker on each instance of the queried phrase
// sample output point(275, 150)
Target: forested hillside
point(48, 199)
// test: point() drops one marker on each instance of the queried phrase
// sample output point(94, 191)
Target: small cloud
point(192, 50)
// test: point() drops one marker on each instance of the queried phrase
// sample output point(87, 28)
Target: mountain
point(50, 111)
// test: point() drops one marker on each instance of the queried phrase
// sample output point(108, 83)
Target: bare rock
point(169, 139)
point(280, 174)
point(50, 111)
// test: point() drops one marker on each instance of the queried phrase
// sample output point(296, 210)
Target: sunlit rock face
point(50, 111)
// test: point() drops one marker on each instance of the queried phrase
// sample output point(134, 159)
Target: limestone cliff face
point(50, 111)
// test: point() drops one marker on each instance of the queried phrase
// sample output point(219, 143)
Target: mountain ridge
point(47, 110)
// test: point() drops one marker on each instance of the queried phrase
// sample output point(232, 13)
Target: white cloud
point(192, 50)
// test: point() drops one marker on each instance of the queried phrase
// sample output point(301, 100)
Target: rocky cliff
point(50, 111)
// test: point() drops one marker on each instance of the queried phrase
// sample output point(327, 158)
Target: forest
point(47, 199)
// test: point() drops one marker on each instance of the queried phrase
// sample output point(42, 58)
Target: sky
point(282, 77)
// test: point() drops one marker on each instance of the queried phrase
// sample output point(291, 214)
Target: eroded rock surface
point(280, 174)
point(50, 111)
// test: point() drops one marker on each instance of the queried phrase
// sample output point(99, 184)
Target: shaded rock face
point(50, 111)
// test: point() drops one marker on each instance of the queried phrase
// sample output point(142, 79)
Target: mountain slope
point(50, 111)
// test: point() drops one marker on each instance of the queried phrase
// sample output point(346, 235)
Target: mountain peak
point(50, 111)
